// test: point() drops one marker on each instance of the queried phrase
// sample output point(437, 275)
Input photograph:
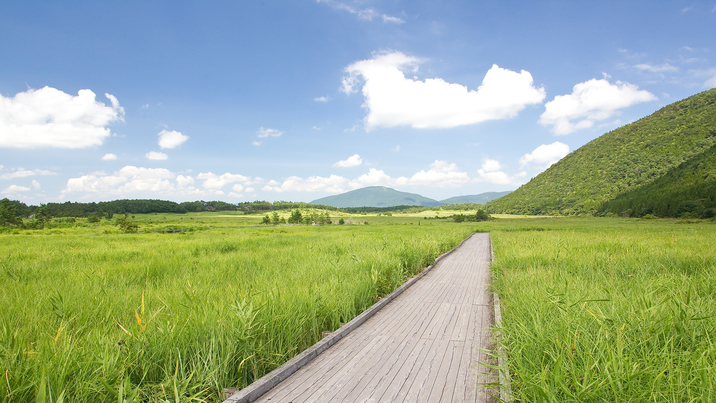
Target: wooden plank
point(423, 346)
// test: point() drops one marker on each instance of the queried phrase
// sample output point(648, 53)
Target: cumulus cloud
point(256, 143)
point(441, 174)
point(155, 155)
point(490, 172)
point(352, 161)
point(24, 173)
point(51, 118)
point(109, 157)
point(591, 101)
point(376, 177)
point(331, 184)
point(366, 14)
point(184, 181)
point(171, 139)
point(545, 155)
point(14, 189)
point(35, 184)
point(127, 180)
point(215, 182)
point(394, 100)
point(322, 99)
point(706, 74)
point(267, 132)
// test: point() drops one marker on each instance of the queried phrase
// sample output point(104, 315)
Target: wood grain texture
point(427, 345)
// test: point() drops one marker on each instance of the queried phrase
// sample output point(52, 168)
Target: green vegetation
point(481, 198)
point(607, 310)
point(620, 161)
point(376, 196)
point(687, 191)
point(91, 313)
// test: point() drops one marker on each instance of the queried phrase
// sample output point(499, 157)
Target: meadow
point(89, 313)
point(597, 310)
point(593, 309)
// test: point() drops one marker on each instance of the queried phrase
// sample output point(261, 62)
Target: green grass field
point(593, 309)
point(88, 313)
point(598, 310)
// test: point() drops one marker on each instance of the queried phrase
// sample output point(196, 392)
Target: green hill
point(688, 190)
point(620, 161)
point(376, 196)
point(481, 198)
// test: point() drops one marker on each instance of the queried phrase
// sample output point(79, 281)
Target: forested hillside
point(688, 191)
point(618, 162)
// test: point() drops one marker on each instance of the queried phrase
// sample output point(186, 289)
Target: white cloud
point(35, 184)
point(24, 173)
point(256, 143)
point(237, 188)
point(352, 161)
point(154, 155)
point(331, 184)
point(664, 68)
point(51, 118)
point(14, 189)
point(249, 190)
point(441, 174)
point(267, 132)
point(591, 101)
point(397, 149)
point(184, 181)
point(109, 157)
point(708, 74)
point(545, 155)
point(322, 99)
point(171, 139)
point(376, 177)
point(394, 100)
point(215, 182)
point(366, 14)
point(235, 195)
point(491, 173)
point(127, 180)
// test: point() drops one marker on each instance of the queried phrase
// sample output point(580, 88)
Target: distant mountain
point(376, 196)
point(619, 162)
point(481, 198)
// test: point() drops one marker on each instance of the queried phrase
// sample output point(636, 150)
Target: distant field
point(615, 310)
point(88, 313)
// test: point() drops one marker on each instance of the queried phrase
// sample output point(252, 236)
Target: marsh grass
point(91, 314)
point(608, 309)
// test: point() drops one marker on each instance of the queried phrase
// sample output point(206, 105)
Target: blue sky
point(297, 100)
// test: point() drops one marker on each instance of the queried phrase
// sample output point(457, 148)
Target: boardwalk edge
point(272, 379)
point(505, 389)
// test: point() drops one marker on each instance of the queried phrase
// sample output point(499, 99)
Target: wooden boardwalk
point(424, 346)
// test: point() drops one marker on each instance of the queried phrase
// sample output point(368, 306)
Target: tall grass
point(611, 310)
point(89, 314)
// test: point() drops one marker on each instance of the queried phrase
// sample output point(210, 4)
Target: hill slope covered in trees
point(688, 190)
point(618, 162)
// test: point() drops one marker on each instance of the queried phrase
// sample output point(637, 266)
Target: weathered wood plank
point(425, 345)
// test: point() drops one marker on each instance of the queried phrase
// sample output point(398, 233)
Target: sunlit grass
point(91, 314)
point(608, 310)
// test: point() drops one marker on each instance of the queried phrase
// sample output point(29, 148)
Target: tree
point(8, 213)
point(481, 215)
point(266, 220)
point(126, 225)
point(295, 217)
point(275, 219)
point(43, 216)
